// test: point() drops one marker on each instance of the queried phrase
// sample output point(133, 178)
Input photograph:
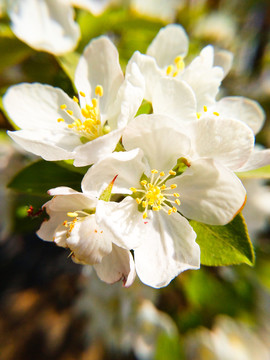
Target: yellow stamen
point(174, 209)
point(173, 186)
point(144, 204)
point(99, 90)
point(75, 99)
point(60, 120)
point(169, 69)
point(216, 113)
point(177, 201)
point(138, 201)
point(176, 194)
point(144, 215)
point(63, 106)
point(82, 94)
point(161, 173)
point(170, 211)
point(133, 189)
point(70, 112)
point(198, 115)
point(143, 182)
point(204, 108)
point(154, 171)
point(171, 172)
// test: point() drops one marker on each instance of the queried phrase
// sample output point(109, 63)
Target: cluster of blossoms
point(149, 173)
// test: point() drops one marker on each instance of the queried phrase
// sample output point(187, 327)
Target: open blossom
point(167, 179)
point(84, 128)
point(49, 25)
point(72, 225)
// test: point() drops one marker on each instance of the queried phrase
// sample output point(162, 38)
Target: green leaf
point(41, 176)
point(224, 245)
point(261, 173)
point(69, 62)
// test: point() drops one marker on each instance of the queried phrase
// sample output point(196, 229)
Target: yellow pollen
point(161, 173)
point(138, 201)
point(216, 113)
point(144, 204)
point(60, 120)
point(173, 186)
point(99, 90)
point(63, 107)
point(94, 102)
point(198, 115)
point(170, 211)
point(163, 187)
point(171, 172)
point(75, 99)
point(144, 215)
point(204, 108)
point(177, 201)
point(174, 209)
point(169, 69)
point(133, 189)
point(82, 94)
point(176, 194)
point(154, 171)
point(70, 112)
point(143, 182)
point(72, 214)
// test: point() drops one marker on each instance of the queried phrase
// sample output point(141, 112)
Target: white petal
point(67, 200)
point(169, 250)
point(223, 59)
point(37, 106)
point(88, 242)
point(228, 141)
point(99, 65)
point(170, 42)
point(127, 165)
point(174, 98)
point(243, 109)
point(116, 266)
point(44, 25)
point(150, 71)
point(96, 7)
point(162, 145)
point(129, 97)
point(124, 221)
point(258, 158)
point(46, 144)
point(203, 77)
point(48, 228)
point(209, 193)
point(96, 149)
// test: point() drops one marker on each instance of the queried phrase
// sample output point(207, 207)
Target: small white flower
point(72, 225)
point(149, 220)
point(57, 127)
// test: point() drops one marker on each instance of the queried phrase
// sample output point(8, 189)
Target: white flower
point(165, 58)
point(72, 225)
point(49, 25)
point(149, 219)
point(56, 127)
point(165, 10)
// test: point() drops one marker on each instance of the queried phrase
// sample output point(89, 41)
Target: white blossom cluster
point(176, 163)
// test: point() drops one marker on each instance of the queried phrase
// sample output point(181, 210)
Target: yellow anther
point(169, 69)
point(171, 172)
point(178, 59)
point(179, 62)
point(176, 194)
point(174, 209)
point(94, 102)
point(82, 93)
point(154, 171)
point(63, 106)
point(144, 215)
point(177, 201)
point(85, 113)
point(156, 208)
point(70, 112)
point(216, 113)
point(72, 214)
point(204, 108)
point(60, 120)
point(175, 73)
point(144, 204)
point(143, 182)
point(138, 201)
point(65, 223)
point(163, 187)
point(133, 189)
point(173, 186)
point(170, 211)
point(99, 90)
point(198, 115)
point(75, 99)
point(161, 173)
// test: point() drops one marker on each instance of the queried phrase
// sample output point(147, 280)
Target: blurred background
point(53, 309)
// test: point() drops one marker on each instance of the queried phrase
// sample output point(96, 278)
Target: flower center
point(90, 126)
point(205, 109)
point(155, 194)
point(174, 69)
point(78, 215)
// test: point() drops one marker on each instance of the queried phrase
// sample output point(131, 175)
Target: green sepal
point(224, 245)
point(145, 108)
point(107, 193)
